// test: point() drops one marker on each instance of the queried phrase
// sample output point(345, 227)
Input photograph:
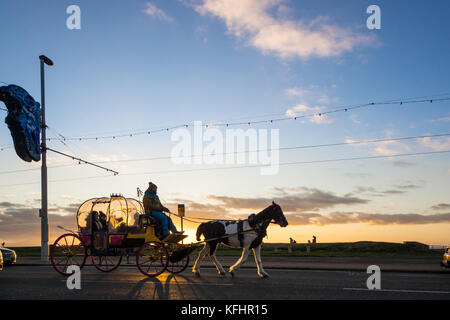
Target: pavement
point(424, 265)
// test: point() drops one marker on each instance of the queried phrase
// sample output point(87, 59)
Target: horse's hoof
point(196, 273)
point(264, 275)
point(222, 273)
point(232, 273)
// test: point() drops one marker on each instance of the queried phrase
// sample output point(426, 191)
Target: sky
point(140, 66)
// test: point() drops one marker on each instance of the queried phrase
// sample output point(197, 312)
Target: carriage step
point(174, 237)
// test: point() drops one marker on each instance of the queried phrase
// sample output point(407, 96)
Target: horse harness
point(260, 231)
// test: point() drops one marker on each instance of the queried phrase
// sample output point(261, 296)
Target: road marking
point(398, 290)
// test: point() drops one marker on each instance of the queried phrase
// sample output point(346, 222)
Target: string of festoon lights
point(400, 102)
point(255, 122)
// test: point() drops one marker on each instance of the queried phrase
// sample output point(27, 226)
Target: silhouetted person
point(153, 207)
point(102, 219)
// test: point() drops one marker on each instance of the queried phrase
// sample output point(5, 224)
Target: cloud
point(366, 218)
point(319, 96)
point(201, 31)
point(321, 119)
point(297, 199)
point(292, 112)
point(314, 113)
point(10, 195)
point(408, 186)
point(297, 204)
point(376, 193)
point(203, 210)
point(358, 175)
point(435, 144)
point(403, 164)
point(250, 21)
point(296, 92)
point(291, 200)
point(393, 192)
point(389, 148)
point(384, 148)
point(399, 189)
point(20, 224)
point(68, 197)
point(443, 119)
point(9, 205)
point(154, 12)
point(441, 206)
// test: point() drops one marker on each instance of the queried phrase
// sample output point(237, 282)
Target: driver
point(153, 207)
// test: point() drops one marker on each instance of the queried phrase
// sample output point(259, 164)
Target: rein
point(206, 219)
point(252, 230)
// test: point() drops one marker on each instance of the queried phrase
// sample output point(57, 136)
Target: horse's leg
point(201, 254)
point(241, 260)
point(257, 254)
point(215, 261)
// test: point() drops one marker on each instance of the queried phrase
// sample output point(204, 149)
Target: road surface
point(42, 282)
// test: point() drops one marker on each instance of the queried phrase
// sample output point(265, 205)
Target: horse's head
point(278, 215)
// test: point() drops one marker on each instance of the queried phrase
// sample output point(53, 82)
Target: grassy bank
point(344, 249)
point(352, 249)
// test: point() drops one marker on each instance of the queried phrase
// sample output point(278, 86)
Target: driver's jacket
point(151, 202)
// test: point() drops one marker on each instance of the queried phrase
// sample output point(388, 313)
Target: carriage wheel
point(179, 266)
point(106, 263)
point(152, 259)
point(68, 250)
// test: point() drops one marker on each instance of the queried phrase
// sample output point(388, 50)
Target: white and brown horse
point(246, 234)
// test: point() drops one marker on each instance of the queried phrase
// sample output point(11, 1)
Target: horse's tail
point(200, 230)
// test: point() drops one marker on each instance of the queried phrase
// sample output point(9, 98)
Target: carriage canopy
point(120, 212)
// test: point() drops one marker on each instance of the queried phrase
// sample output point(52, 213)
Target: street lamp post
point(44, 198)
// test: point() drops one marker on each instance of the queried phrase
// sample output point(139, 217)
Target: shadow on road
point(163, 288)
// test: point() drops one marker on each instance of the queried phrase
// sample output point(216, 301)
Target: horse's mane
point(264, 214)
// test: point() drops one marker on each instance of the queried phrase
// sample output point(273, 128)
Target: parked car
point(446, 260)
point(9, 256)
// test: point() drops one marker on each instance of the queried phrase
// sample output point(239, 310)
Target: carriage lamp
point(181, 214)
point(181, 210)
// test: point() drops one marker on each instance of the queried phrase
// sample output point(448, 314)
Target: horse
point(246, 234)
